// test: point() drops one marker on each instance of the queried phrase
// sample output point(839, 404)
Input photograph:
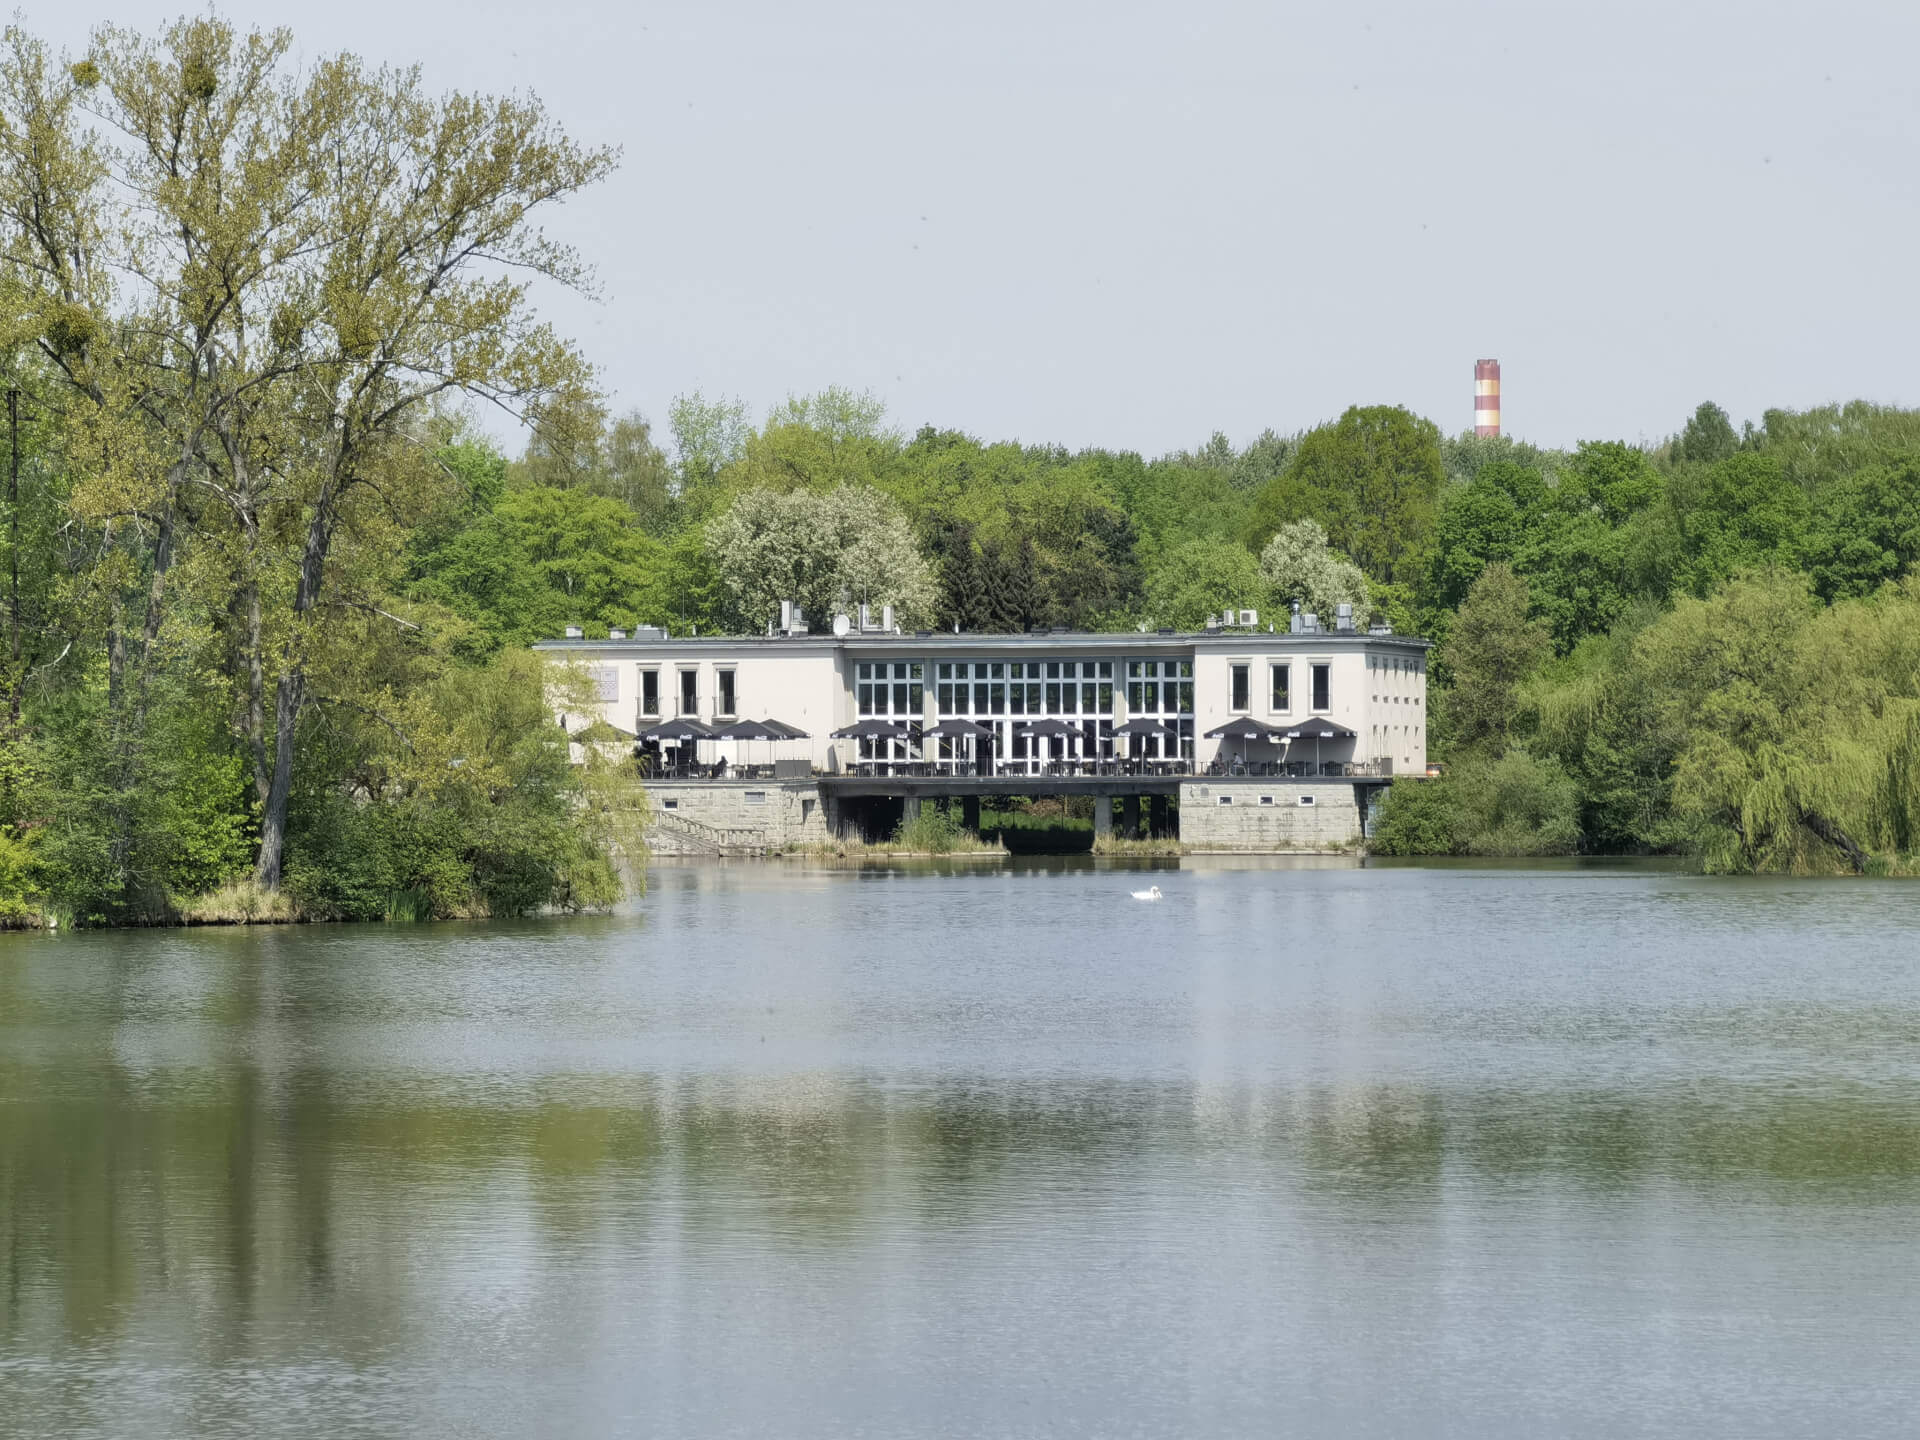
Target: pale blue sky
point(1131, 225)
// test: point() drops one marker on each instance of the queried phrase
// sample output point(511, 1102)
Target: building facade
point(1372, 684)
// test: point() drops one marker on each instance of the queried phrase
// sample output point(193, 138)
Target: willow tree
point(254, 282)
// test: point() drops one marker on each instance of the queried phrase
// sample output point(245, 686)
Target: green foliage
point(932, 831)
point(1420, 817)
point(1203, 578)
point(1865, 530)
point(1492, 647)
point(1515, 804)
point(1373, 479)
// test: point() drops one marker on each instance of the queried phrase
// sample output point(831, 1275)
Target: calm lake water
point(981, 1151)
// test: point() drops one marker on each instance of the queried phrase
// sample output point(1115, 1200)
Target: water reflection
point(798, 1151)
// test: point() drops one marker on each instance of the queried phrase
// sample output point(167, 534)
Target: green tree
point(1492, 648)
point(1708, 438)
point(1373, 478)
point(1865, 530)
point(1204, 578)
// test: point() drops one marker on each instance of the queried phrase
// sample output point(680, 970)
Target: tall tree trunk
point(256, 693)
point(291, 693)
point(287, 699)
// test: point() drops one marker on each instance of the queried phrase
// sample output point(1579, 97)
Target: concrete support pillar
point(970, 813)
point(909, 809)
point(1102, 818)
point(1157, 820)
point(1130, 816)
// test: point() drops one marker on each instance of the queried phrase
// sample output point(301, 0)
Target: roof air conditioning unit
point(574, 632)
point(1249, 617)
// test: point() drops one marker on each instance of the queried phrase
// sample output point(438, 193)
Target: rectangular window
point(755, 797)
point(1106, 697)
point(1239, 701)
point(1226, 800)
point(1266, 799)
point(1282, 702)
point(1322, 687)
point(649, 692)
point(1306, 799)
point(726, 693)
point(689, 692)
point(997, 693)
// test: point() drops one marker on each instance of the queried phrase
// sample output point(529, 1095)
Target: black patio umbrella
point(684, 731)
point(1049, 729)
point(1142, 728)
point(785, 731)
point(1317, 729)
point(685, 728)
point(747, 730)
point(873, 730)
point(958, 729)
point(1245, 729)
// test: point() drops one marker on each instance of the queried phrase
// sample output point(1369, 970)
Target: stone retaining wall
point(1269, 815)
point(734, 816)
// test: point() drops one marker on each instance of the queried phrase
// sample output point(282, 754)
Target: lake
point(981, 1149)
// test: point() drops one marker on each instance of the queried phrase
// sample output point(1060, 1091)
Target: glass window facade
point(890, 688)
point(1162, 690)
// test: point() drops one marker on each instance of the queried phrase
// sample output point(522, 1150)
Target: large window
point(1162, 690)
point(1282, 701)
point(726, 694)
point(1322, 687)
point(649, 692)
point(891, 687)
point(1239, 688)
point(689, 692)
point(983, 689)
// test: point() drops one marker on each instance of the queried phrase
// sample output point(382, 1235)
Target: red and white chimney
point(1486, 397)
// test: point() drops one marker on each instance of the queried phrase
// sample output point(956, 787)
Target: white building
point(1371, 684)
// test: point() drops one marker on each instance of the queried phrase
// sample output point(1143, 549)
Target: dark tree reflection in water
point(955, 1151)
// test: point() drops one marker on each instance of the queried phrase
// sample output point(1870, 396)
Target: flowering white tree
point(838, 548)
point(1299, 566)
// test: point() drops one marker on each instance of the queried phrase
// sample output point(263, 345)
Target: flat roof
point(921, 642)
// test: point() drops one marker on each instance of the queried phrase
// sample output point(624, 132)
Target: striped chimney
point(1486, 397)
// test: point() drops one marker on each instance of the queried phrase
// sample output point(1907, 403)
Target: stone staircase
point(675, 834)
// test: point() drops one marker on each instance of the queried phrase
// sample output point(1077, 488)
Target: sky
point(1133, 225)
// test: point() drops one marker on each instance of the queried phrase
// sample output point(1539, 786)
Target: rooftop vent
point(614, 632)
point(1379, 627)
point(1343, 616)
point(1310, 623)
point(1249, 617)
point(574, 632)
point(649, 632)
point(1168, 631)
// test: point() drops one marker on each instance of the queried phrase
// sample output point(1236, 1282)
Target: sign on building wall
point(606, 682)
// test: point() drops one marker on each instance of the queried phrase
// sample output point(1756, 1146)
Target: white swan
point(1152, 892)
